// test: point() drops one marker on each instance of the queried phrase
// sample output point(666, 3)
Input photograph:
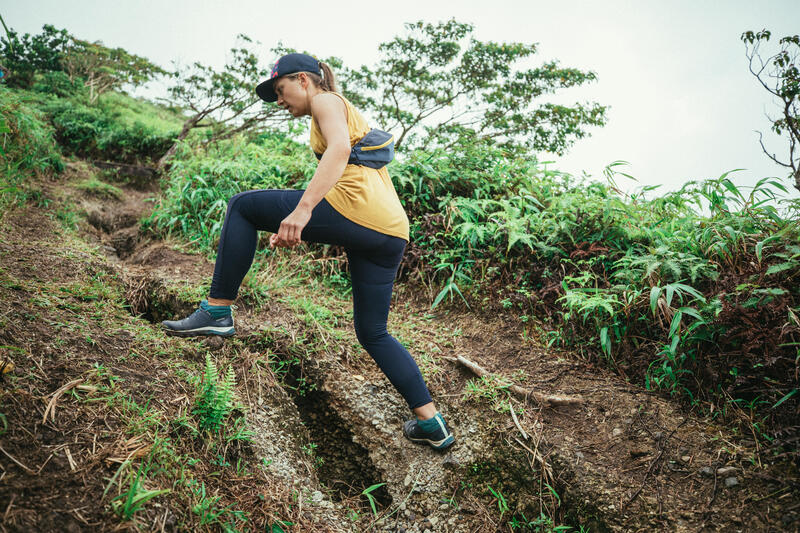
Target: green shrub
point(27, 147)
point(98, 132)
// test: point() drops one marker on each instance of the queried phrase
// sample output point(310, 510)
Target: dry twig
point(51, 405)
point(28, 470)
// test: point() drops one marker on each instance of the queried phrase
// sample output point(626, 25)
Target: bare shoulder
point(327, 103)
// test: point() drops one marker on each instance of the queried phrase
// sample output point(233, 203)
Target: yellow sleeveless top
point(364, 195)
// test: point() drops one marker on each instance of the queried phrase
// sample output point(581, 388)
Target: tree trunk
point(187, 127)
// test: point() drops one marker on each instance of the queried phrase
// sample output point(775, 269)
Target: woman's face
point(293, 95)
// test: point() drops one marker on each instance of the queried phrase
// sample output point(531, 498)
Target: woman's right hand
point(291, 228)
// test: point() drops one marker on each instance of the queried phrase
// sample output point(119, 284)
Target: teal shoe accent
point(433, 432)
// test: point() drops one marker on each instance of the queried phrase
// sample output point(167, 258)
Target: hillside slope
point(100, 407)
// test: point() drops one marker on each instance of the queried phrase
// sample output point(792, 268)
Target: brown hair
point(326, 82)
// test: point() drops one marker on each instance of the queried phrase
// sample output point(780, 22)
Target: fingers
point(287, 237)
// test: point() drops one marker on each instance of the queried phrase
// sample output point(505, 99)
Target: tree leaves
point(438, 86)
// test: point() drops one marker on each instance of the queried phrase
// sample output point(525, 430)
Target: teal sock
point(430, 425)
point(216, 311)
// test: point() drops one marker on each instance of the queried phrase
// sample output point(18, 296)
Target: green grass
point(99, 189)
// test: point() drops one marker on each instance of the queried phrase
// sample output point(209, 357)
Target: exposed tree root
point(518, 391)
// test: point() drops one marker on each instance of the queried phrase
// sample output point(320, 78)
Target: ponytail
point(328, 81)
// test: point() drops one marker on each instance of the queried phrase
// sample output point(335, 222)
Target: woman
point(349, 205)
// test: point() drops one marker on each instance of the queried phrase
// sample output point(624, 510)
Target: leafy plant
point(370, 498)
point(215, 399)
point(135, 496)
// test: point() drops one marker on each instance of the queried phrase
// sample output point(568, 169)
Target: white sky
point(683, 104)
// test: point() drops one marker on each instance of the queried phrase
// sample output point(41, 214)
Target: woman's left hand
point(291, 228)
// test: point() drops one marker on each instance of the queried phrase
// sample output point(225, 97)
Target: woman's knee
point(368, 334)
point(235, 201)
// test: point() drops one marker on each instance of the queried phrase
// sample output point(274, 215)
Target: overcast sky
point(683, 105)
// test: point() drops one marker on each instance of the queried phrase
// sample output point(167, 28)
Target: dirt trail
point(623, 460)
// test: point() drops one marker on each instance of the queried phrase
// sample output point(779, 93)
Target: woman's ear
point(304, 80)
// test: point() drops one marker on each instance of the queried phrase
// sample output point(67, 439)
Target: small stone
point(451, 462)
point(616, 432)
point(412, 517)
point(214, 342)
point(726, 470)
point(427, 531)
point(731, 481)
point(317, 496)
point(686, 458)
point(707, 471)
point(579, 456)
point(403, 506)
point(407, 481)
point(433, 520)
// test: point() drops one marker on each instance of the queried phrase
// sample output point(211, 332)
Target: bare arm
point(330, 114)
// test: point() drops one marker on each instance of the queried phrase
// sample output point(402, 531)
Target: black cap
point(288, 64)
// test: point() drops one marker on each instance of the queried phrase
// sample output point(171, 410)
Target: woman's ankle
point(425, 412)
point(219, 301)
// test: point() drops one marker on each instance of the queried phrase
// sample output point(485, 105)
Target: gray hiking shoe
point(200, 323)
point(437, 435)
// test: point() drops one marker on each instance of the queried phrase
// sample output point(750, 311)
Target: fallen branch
point(518, 391)
point(51, 405)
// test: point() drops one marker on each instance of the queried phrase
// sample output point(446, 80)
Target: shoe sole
point(435, 444)
point(219, 332)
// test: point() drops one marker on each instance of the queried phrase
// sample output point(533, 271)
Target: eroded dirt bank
point(325, 423)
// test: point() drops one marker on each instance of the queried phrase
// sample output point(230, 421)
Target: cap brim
point(266, 92)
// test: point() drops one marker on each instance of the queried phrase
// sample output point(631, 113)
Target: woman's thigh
point(265, 209)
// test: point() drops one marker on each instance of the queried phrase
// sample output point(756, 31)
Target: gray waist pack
point(374, 150)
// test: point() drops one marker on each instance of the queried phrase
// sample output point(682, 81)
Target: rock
point(616, 432)
point(579, 456)
point(707, 471)
point(433, 520)
point(317, 496)
point(726, 471)
point(451, 461)
point(731, 481)
point(214, 342)
point(686, 458)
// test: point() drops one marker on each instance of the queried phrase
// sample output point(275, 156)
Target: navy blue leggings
point(373, 258)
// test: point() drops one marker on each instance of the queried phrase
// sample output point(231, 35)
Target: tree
point(439, 86)
point(223, 100)
point(779, 74)
point(26, 55)
point(100, 68)
point(103, 68)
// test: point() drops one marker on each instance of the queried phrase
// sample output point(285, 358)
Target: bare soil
point(79, 321)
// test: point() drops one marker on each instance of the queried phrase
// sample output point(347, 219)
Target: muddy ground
point(100, 406)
